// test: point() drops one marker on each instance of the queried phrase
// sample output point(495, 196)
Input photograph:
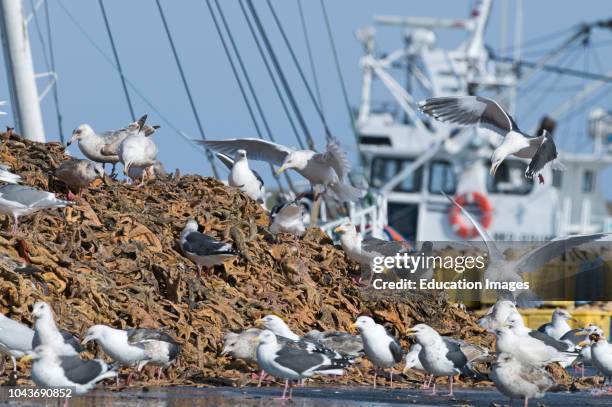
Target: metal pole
point(20, 71)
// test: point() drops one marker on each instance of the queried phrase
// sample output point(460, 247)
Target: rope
point(269, 70)
point(51, 64)
point(310, 58)
point(300, 71)
point(281, 75)
point(186, 86)
point(117, 62)
point(237, 77)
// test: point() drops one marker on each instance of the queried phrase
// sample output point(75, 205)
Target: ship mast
point(20, 71)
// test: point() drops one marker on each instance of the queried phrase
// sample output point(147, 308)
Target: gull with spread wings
point(487, 113)
point(326, 169)
point(502, 269)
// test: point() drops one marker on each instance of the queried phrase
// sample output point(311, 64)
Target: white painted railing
point(370, 220)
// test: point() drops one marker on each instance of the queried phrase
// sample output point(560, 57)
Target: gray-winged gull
point(497, 315)
point(558, 325)
point(344, 343)
point(531, 346)
point(581, 339)
point(137, 150)
point(242, 176)
point(19, 200)
point(78, 174)
point(380, 348)
point(517, 379)
point(501, 269)
point(443, 356)
point(290, 362)
point(104, 147)
point(46, 332)
point(160, 348)
point(288, 217)
point(53, 370)
point(202, 249)
point(412, 362)
point(472, 110)
point(7, 176)
point(327, 169)
point(601, 354)
point(15, 339)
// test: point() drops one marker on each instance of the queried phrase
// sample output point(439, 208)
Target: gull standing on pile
point(15, 339)
point(47, 333)
point(558, 325)
point(160, 348)
point(7, 176)
point(138, 150)
point(601, 353)
point(379, 347)
point(286, 361)
point(104, 147)
point(412, 362)
point(476, 110)
point(288, 217)
point(501, 269)
point(443, 356)
point(243, 177)
point(497, 315)
point(51, 369)
point(517, 379)
point(78, 174)
point(137, 173)
point(530, 346)
point(326, 169)
point(202, 249)
point(19, 200)
point(577, 338)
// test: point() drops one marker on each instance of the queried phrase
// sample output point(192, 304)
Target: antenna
point(20, 71)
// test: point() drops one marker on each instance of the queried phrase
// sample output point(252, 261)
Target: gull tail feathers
point(344, 193)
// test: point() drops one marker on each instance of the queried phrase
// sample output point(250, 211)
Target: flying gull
point(19, 200)
point(160, 348)
point(78, 174)
point(6, 175)
point(327, 169)
point(15, 339)
point(558, 325)
point(137, 150)
point(497, 315)
point(517, 379)
point(601, 354)
point(104, 147)
point(412, 362)
point(379, 347)
point(501, 269)
point(47, 333)
point(289, 362)
point(202, 249)
point(288, 217)
point(530, 346)
point(242, 176)
point(477, 110)
point(443, 356)
point(51, 369)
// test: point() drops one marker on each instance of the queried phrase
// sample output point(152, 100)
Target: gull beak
point(352, 328)
point(339, 229)
point(29, 356)
point(410, 332)
point(573, 320)
point(260, 322)
point(494, 167)
point(281, 169)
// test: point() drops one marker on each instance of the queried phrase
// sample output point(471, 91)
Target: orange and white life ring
point(456, 220)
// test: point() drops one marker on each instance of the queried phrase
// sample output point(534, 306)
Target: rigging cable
point(117, 62)
point(269, 70)
point(237, 77)
point(309, 51)
point(186, 85)
point(51, 65)
point(328, 134)
point(281, 75)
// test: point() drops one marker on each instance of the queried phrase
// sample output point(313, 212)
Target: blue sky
point(90, 90)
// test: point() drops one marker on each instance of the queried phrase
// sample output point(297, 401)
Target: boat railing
point(369, 220)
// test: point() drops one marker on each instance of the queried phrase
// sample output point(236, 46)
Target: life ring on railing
point(457, 223)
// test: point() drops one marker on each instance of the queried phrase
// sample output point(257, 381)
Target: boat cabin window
point(588, 181)
point(385, 168)
point(442, 178)
point(510, 179)
point(557, 178)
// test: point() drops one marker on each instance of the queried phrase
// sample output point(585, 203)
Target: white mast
point(20, 71)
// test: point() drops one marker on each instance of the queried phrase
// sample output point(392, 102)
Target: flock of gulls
point(517, 365)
